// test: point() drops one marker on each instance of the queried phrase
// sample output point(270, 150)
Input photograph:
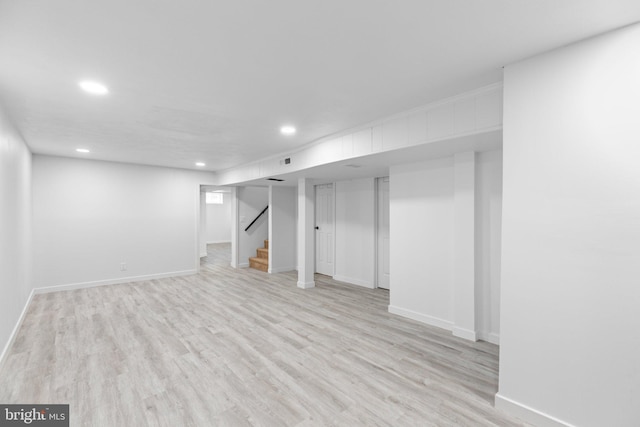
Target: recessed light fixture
point(93, 87)
point(287, 130)
point(82, 150)
point(200, 164)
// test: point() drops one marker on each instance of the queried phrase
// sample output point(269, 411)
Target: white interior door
point(383, 233)
point(325, 229)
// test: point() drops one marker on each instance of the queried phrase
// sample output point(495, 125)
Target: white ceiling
point(212, 81)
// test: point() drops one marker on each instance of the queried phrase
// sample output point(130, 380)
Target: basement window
point(215, 199)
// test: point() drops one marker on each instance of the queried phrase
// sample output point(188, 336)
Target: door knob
point(317, 228)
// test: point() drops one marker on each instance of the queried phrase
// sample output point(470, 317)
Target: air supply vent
point(275, 179)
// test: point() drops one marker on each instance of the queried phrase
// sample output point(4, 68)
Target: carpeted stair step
point(261, 264)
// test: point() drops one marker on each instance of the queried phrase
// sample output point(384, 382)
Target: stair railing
point(256, 218)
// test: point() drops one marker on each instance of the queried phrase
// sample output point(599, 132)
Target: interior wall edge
point(353, 281)
point(420, 317)
point(527, 413)
point(16, 328)
point(119, 281)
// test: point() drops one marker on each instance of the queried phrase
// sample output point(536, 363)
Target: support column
point(234, 227)
point(464, 294)
point(202, 226)
point(306, 248)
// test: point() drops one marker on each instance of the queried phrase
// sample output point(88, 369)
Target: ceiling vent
point(275, 179)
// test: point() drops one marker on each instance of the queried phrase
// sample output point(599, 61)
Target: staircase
point(261, 262)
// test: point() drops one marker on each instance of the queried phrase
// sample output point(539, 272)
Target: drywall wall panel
point(394, 133)
point(101, 222)
point(488, 243)
point(571, 234)
point(218, 220)
point(464, 118)
point(362, 142)
point(417, 123)
point(355, 231)
point(282, 229)
point(440, 122)
point(15, 227)
point(422, 241)
point(489, 109)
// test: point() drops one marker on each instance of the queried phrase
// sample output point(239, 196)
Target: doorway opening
point(215, 226)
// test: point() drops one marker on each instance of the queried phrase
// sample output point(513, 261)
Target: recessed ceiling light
point(82, 150)
point(200, 164)
point(287, 130)
point(93, 88)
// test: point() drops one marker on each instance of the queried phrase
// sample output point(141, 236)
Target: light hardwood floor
point(242, 347)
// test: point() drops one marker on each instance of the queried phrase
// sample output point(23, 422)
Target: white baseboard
point(466, 334)
point(306, 285)
point(527, 413)
point(213, 242)
point(14, 333)
point(82, 285)
point(281, 270)
point(353, 281)
point(491, 337)
point(423, 318)
point(243, 265)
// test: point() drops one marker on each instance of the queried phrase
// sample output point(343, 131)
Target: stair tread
point(259, 260)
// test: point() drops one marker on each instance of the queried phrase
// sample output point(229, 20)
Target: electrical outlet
point(123, 266)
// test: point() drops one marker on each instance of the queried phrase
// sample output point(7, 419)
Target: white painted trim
point(203, 255)
point(281, 269)
point(527, 413)
point(423, 318)
point(467, 334)
point(16, 328)
point(242, 265)
point(218, 241)
point(130, 279)
point(306, 285)
point(353, 281)
point(491, 337)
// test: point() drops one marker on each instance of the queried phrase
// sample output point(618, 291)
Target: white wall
point(202, 228)
point(428, 210)
point(421, 201)
point(15, 227)
point(91, 216)
point(570, 322)
point(251, 201)
point(282, 229)
point(355, 232)
point(488, 242)
point(218, 218)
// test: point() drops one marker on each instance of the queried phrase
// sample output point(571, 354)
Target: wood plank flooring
point(241, 347)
